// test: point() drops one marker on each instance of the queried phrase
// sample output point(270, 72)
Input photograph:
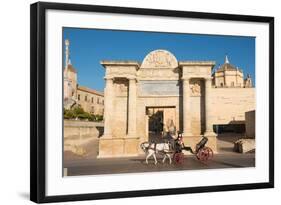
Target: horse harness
point(154, 148)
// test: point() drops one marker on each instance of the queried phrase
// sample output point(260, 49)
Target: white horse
point(152, 148)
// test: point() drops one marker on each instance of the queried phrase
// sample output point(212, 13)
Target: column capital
point(210, 133)
point(108, 78)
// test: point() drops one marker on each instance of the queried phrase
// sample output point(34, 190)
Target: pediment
point(160, 59)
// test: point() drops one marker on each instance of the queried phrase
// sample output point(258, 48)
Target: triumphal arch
point(144, 101)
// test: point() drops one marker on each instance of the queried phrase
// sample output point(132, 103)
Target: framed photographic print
point(129, 102)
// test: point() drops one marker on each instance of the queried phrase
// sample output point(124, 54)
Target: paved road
point(137, 164)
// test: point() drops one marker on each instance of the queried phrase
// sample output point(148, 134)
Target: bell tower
point(70, 76)
point(66, 42)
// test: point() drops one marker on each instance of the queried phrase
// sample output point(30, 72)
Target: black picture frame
point(38, 101)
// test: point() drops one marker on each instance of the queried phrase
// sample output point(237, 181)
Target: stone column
point(208, 123)
point(132, 108)
point(108, 107)
point(186, 108)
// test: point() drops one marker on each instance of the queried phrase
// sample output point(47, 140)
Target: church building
point(92, 101)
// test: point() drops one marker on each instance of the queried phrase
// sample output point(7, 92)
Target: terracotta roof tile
point(71, 68)
point(89, 90)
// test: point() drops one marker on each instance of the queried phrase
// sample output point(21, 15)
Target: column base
point(212, 140)
point(187, 134)
point(118, 147)
point(191, 141)
point(107, 136)
point(131, 136)
point(210, 134)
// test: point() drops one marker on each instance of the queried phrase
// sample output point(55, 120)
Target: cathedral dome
point(159, 59)
point(227, 66)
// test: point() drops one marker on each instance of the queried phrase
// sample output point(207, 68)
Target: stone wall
point(250, 119)
point(231, 104)
point(81, 137)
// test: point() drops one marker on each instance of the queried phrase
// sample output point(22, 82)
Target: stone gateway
point(145, 102)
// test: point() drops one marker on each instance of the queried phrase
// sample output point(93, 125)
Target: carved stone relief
point(195, 87)
point(159, 59)
point(121, 87)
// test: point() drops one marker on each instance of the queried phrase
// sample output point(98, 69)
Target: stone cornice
point(152, 78)
point(197, 63)
point(113, 76)
point(120, 63)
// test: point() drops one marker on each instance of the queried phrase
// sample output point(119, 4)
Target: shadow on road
point(229, 164)
point(226, 149)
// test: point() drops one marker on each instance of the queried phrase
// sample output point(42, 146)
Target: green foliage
point(68, 114)
point(79, 113)
point(98, 118)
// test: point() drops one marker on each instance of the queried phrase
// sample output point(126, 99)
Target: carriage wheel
point(203, 154)
point(178, 158)
point(211, 154)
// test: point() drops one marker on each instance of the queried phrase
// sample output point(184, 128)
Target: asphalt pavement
point(91, 165)
point(137, 164)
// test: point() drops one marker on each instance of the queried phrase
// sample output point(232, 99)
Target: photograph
point(134, 102)
point(145, 101)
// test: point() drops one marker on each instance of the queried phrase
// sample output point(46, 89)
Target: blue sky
point(89, 46)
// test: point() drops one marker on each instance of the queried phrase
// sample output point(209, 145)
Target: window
point(92, 100)
point(221, 84)
point(79, 97)
point(92, 109)
point(232, 84)
point(98, 100)
point(85, 97)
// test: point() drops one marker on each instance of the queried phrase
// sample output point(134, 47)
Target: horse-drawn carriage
point(202, 152)
point(175, 147)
